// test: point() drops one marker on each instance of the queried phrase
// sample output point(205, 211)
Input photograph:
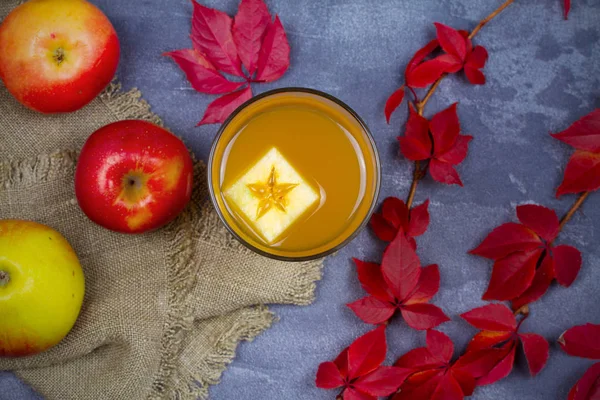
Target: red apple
point(133, 176)
point(57, 55)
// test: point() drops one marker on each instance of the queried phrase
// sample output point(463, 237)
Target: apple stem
point(4, 278)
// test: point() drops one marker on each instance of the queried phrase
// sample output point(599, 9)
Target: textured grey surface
point(543, 73)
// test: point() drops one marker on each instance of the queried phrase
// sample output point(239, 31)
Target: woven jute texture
point(163, 311)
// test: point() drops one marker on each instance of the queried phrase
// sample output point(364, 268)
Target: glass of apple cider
point(294, 174)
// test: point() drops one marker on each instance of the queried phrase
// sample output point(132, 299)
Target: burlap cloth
point(164, 311)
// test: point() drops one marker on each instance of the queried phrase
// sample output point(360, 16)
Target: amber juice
point(294, 174)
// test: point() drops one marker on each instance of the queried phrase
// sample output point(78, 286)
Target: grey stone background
point(543, 74)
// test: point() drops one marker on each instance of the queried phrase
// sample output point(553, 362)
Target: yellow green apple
point(41, 288)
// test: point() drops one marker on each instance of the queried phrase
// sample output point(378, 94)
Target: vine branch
point(420, 105)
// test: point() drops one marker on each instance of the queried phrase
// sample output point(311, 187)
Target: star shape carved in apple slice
point(271, 193)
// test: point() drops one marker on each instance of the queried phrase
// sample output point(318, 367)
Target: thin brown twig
point(420, 105)
point(573, 209)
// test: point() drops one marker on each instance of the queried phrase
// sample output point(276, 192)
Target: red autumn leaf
point(401, 267)
point(582, 341)
point(372, 310)
point(416, 143)
point(419, 219)
point(444, 173)
point(358, 369)
point(488, 339)
point(211, 35)
point(440, 345)
point(371, 279)
point(588, 387)
point(582, 174)
point(428, 286)
point(536, 351)
point(429, 71)
point(544, 275)
point(458, 152)
point(541, 220)
point(420, 55)
point(475, 62)
point(567, 263)
point(249, 27)
point(395, 212)
point(274, 56)
point(506, 239)
point(445, 129)
point(583, 134)
point(329, 376)
point(567, 8)
point(448, 389)
point(423, 316)
point(451, 41)
point(201, 73)
point(419, 359)
point(367, 353)
point(492, 317)
point(512, 275)
point(502, 369)
point(393, 102)
point(221, 108)
point(382, 228)
point(478, 363)
point(465, 379)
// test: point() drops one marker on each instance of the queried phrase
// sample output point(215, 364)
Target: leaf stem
point(420, 105)
point(573, 209)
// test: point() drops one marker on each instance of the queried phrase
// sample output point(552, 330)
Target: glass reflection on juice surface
point(294, 174)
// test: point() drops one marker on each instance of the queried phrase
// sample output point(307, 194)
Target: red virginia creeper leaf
point(506, 239)
point(458, 152)
point(541, 220)
point(582, 174)
point(445, 129)
point(474, 76)
point(428, 72)
point(512, 275)
point(502, 369)
point(419, 219)
point(401, 267)
point(353, 394)
point(423, 316)
point(440, 345)
point(488, 339)
point(371, 279)
point(453, 64)
point(536, 350)
point(588, 387)
point(451, 41)
point(419, 359)
point(382, 228)
point(567, 263)
point(393, 102)
point(428, 286)
point(372, 310)
point(479, 363)
point(329, 376)
point(249, 27)
point(211, 35)
point(420, 56)
point(417, 133)
point(582, 341)
point(383, 381)
point(201, 73)
point(274, 56)
point(395, 212)
point(221, 108)
point(341, 362)
point(544, 275)
point(583, 134)
point(567, 8)
point(478, 57)
point(492, 317)
point(367, 353)
point(421, 385)
point(444, 173)
point(448, 389)
point(413, 149)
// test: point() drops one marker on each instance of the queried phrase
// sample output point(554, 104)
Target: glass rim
point(371, 141)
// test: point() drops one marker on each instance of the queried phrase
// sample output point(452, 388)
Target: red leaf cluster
point(438, 141)
point(500, 333)
point(584, 341)
point(434, 376)
point(583, 169)
point(395, 217)
point(223, 45)
point(358, 371)
point(399, 284)
point(423, 70)
point(525, 259)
